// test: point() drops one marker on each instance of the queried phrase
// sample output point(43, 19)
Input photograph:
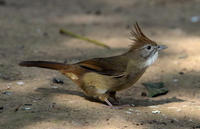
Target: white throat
point(151, 59)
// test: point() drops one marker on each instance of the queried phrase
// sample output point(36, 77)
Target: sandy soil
point(29, 31)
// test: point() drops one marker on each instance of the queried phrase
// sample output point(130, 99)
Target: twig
point(65, 32)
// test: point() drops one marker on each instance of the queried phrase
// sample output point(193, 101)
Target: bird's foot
point(116, 106)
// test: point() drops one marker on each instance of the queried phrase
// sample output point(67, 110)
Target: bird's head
point(144, 47)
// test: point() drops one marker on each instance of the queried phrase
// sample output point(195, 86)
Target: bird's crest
point(138, 38)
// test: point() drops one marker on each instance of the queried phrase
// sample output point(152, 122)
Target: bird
point(103, 77)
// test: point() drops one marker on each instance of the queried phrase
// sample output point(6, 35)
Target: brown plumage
point(139, 38)
point(103, 77)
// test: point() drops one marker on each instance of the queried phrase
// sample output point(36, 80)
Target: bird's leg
point(115, 107)
point(112, 95)
point(105, 97)
point(108, 102)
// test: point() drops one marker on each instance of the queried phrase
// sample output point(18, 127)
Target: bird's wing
point(105, 66)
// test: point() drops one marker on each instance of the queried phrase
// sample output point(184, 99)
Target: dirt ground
point(29, 30)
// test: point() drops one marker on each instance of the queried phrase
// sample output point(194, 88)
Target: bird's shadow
point(149, 102)
point(123, 101)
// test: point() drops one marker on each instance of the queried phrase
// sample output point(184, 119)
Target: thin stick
point(65, 32)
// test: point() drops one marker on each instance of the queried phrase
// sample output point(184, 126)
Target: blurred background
point(29, 30)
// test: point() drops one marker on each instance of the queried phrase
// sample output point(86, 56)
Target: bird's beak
point(161, 47)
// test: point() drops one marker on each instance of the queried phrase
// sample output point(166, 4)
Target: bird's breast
point(129, 80)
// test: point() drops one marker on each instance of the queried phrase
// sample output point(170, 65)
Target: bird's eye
point(148, 47)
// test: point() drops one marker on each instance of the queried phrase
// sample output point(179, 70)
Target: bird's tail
point(44, 64)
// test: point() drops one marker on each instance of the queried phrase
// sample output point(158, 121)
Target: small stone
point(175, 80)
point(132, 105)
point(27, 108)
point(34, 101)
point(179, 110)
point(130, 109)
point(194, 19)
point(8, 87)
point(38, 30)
point(183, 56)
point(156, 112)
point(143, 94)
point(7, 93)
point(128, 112)
point(58, 81)
point(20, 83)
point(52, 105)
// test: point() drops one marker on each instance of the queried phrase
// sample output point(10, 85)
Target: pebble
point(52, 105)
point(175, 80)
point(143, 94)
point(130, 109)
point(27, 108)
point(132, 105)
point(194, 19)
point(156, 112)
point(20, 83)
point(183, 56)
point(128, 112)
point(34, 101)
point(179, 110)
point(58, 81)
point(7, 93)
point(38, 30)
